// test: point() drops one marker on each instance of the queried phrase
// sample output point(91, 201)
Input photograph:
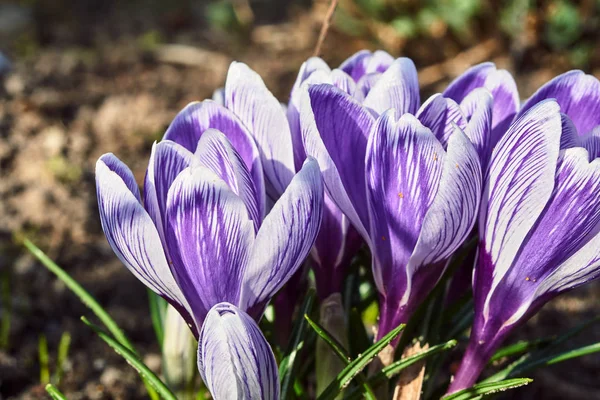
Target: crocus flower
point(540, 217)
point(200, 239)
point(411, 188)
point(235, 360)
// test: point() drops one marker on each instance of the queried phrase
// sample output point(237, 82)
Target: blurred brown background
point(89, 77)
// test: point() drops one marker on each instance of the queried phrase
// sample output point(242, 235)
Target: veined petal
point(569, 137)
point(404, 167)
point(311, 65)
point(356, 64)
point(364, 86)
point(519, 184)
point(334, 131)
point(234, 358)
point(167, 160)
point(591, 142)
point(248, 97)
point(379, 61)
point(438, 114)
point(343, 81)
point(285, 238)
point(570, 220)
point(209, 238)
point(397, 88)
point(577, 94)
point(216, 153)
point(219, 96)
point(478, 110)
point(501, 85)
point(131, 232)
point(454, 210)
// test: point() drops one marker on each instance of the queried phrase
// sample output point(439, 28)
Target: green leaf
point(518, 348)
point(288, 364)
point(86, 299)
point(133, 360)
point(483, 389)
point(63, 353)
point(54, 392)
point(158, 308)
point(43, 356)
point(396, 367)
point(342, 354)
point(347, 374)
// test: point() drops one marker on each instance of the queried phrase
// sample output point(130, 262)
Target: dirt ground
point(105, 77)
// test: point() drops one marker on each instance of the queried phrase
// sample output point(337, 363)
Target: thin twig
point(325, 27)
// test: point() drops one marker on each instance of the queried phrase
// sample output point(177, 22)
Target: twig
point(325, 27)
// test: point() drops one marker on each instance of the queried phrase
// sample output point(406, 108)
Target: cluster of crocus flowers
point(241, 191)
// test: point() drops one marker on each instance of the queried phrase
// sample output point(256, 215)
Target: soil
point(95, 79)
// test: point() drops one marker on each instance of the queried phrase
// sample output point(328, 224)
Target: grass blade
point(54, 392)
point(44, 363)
point(396, 367)
point(134, 361)
point(483, 389)
point(357, 365)
point(288, 364)
point(63, 353)
point(86, 299)
point(342, 354)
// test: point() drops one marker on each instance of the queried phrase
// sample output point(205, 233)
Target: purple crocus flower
point(234, 359)
point(200, 238)
point(338, 241)
point(410, 185)
point(540, 216)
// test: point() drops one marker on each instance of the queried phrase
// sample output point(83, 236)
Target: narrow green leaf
point(518, 348)
point(484, 389)
point(54, 392)
point(396, 367)
point(288, 364)
point(86, 299)
point(342, 354)
point(347, 374)
point(133, 360)
point(63, 353)
point(44, 364)
point(158, 307)
point(83, 295)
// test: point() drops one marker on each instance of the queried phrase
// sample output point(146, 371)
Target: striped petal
point(591, 142)
point(216, 153)
point(439, 114)
point(478, 108)
point(234, 358)
point(248, 97)
point(131, 232)
point(404, 167)
point(356, 64)
point(334, 131)
point(285, 238)
point(397, 88)
point(500, 84)
point(570, 220)
point(193, 120)
point(519, 184)
point(577, 94)
point(209, 237)
point(167, 160)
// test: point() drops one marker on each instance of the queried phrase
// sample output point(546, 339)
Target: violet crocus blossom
point(234, 359)
point(411, 188)
point(540, 217)
point(338, 241)
point(200, 238)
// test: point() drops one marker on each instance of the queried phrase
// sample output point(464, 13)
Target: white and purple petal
point(439, 114)
point(577, 94)
point(478, 108)
point(131, 232)
point(234, 358)
point(284, 239)
point(209, 237)
point(216, 153)
point(397, 88)
point(519, 184)
point(248, 97)
point(334, 130)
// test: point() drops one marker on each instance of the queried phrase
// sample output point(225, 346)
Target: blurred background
point(81, 78)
